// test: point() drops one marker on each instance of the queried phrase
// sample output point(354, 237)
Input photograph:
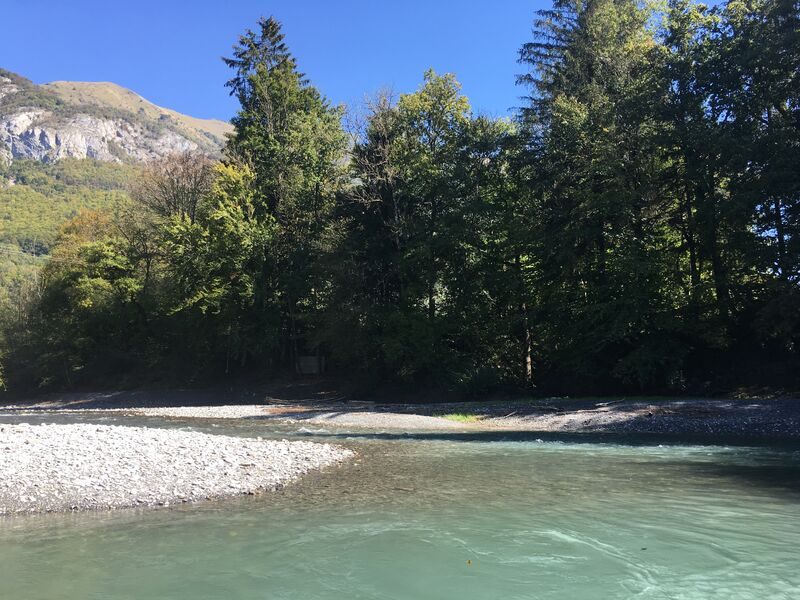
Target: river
point(429, 516)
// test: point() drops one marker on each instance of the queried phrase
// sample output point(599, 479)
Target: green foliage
point(635, 229)
point(85, 310)
point(600, 238)
point(29, 94)
point(36, 200)
point(425, 268)
point(461, 417)
point(215, 263)
point(294, 142)
point(43, 196)
point(649, 222)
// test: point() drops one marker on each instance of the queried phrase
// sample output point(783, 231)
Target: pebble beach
point(54, 467)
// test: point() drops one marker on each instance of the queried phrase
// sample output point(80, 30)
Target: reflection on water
point(438, 517)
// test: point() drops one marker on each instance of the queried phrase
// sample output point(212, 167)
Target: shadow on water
point(619, 439)
point(773, 468)
point(770, 476)
point(777, 478)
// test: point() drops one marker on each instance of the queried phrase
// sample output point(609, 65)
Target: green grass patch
point(462, 417)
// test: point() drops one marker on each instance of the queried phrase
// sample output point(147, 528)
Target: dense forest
point(635, 227)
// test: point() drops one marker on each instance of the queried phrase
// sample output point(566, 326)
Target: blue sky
point(169, 51)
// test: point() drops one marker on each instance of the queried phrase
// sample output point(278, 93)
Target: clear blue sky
point(169, 50)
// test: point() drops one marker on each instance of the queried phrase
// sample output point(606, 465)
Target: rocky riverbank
point(712, 418)
point(48, 467)
point(775, 419)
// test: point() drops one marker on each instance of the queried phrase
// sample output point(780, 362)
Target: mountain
point(104, 121)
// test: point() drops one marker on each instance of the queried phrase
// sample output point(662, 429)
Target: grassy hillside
point(111, 95)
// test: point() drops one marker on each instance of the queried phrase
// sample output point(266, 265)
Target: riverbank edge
point(764, 419)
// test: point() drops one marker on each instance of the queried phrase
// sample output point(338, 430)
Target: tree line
point(634, 227)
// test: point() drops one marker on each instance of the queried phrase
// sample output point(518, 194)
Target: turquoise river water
point(430, 516)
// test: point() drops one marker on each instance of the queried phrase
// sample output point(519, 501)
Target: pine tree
point(599, 234)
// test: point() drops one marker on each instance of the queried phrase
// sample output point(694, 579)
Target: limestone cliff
point(94, 120)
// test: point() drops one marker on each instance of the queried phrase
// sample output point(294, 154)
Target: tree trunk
point(293, 334)
point(524, 332)
point(780, 232)
point(432, 262)
point(711, 236)
point(694, 268)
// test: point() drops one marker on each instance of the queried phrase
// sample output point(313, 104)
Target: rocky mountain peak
point(94, 120)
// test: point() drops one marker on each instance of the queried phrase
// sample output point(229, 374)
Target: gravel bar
point(335, 418)
point(45, 468)
point(777, 419)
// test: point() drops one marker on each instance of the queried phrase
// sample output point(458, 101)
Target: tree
point(294, 142)
point(636, 228)
point(215, 263)
point(414, 233)
point(599, 236)
point(175, 185)
point(88, 320)
point(759, 92)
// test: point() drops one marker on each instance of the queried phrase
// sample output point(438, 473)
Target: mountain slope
point(115, 96)
point(103, 121)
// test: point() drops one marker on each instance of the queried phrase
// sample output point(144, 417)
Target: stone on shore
point(52, 467)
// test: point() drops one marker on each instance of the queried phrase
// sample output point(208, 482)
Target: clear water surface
point(442, 516)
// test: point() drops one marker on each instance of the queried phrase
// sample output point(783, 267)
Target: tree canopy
point(635, 227)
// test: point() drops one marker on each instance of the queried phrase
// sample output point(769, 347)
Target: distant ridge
point(115, 96)
point(100, 120)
